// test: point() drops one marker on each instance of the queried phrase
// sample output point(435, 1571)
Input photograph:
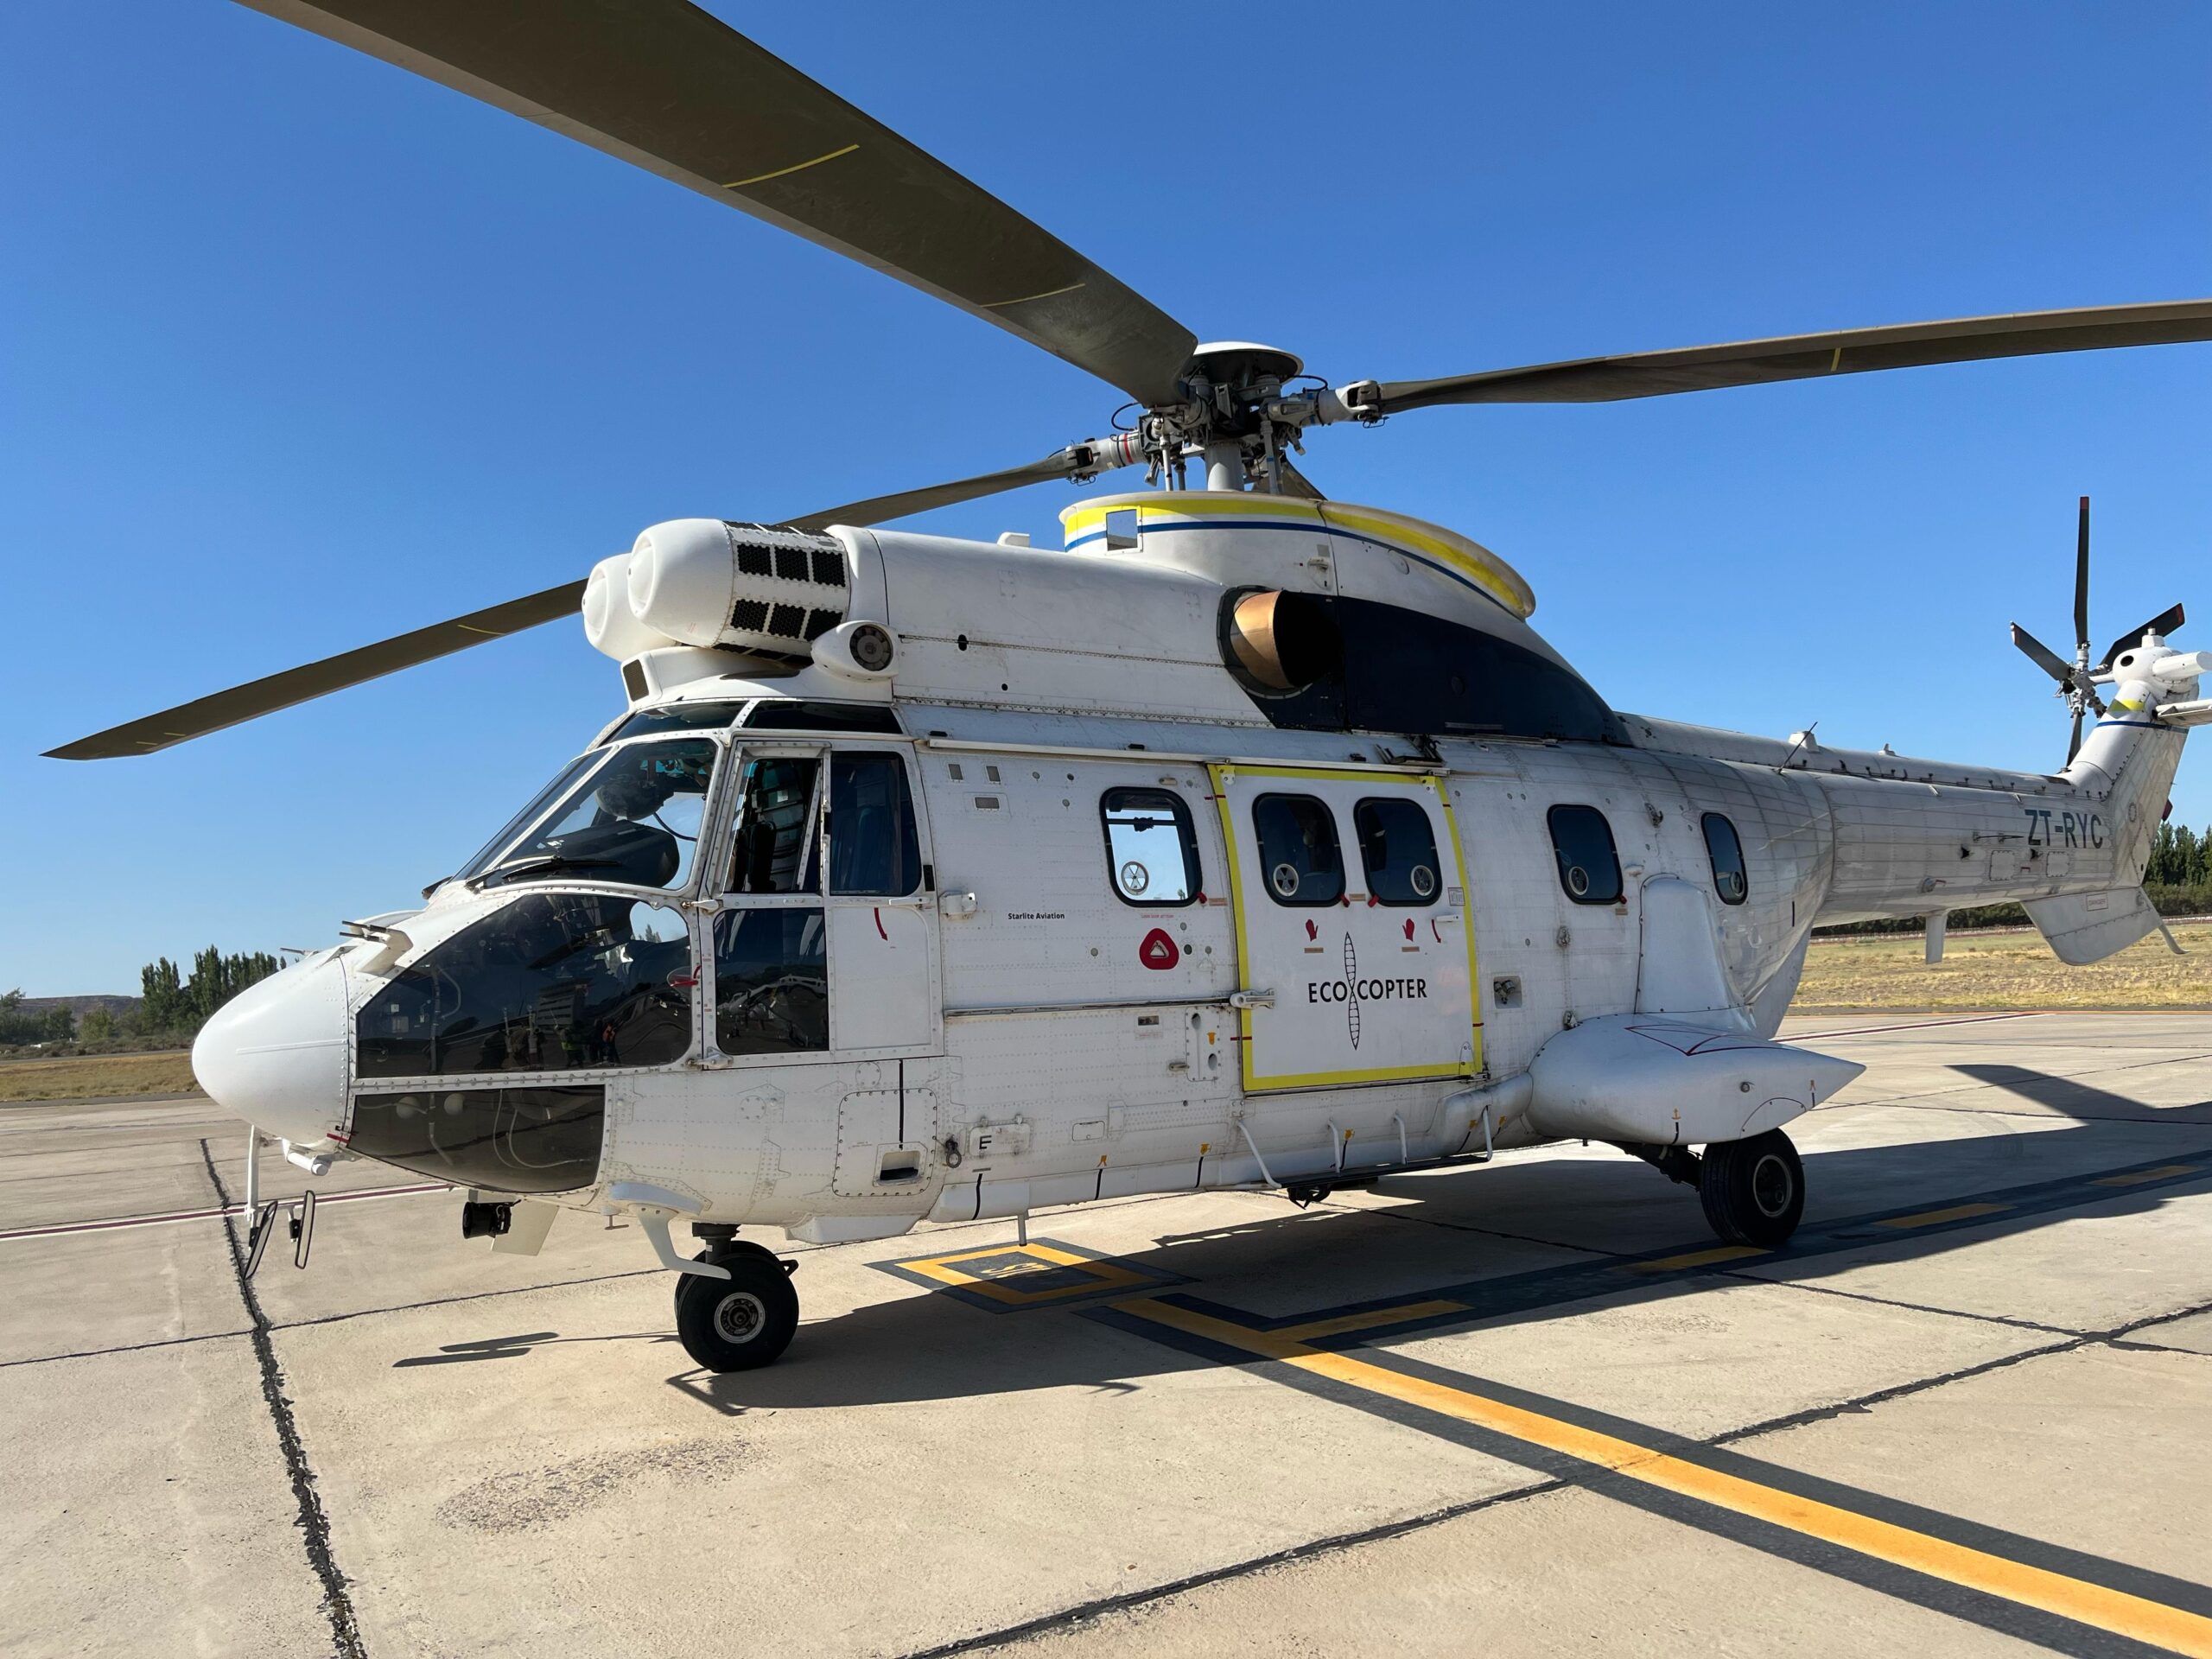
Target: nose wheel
point(740, 1322)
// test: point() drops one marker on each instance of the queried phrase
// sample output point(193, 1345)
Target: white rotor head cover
point(753, 588)
point(609, 623)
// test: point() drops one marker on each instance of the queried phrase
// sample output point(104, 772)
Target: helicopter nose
point(274, 1054)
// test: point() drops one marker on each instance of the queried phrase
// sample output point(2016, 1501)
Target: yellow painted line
point(1931, 1217)
point(1344, 1323)
point(2136, 1178)
point(1042, 1258)
point(1694, 1259)
point(2136, 1617)
point(1049, 293)
point(796, 167)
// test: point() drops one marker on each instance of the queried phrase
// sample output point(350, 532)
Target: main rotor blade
point(295, 685)
point(671, 89)
point(2162, 624)
point(2042, 656)
point(1800, 356)
point(2081, 585)
point(2073, 743)
point(1077, 459)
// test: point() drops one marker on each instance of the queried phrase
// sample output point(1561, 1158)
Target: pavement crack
point(124, 1348)
point(1915, 1307)
point(2116, 1336)
point(313, 1523)
point(1335, 1543)
point(1469, 1227)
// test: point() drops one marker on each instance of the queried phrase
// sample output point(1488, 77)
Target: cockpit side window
point(634, 818)
point(873, 847)
point(775, 844)
point(529, 815)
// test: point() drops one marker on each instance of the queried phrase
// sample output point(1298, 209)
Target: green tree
point(97, 1027)
point(161, 996)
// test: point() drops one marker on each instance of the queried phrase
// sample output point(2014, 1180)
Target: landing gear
point(1753, 1190)
point(740, 1322)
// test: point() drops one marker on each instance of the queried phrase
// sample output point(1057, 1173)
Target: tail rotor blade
point(2081, 584)
point(2042, 656)
point(2164, 623)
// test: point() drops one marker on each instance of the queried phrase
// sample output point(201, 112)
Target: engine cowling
point(764, 589)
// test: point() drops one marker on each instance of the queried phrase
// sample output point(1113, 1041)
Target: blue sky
point(297, 351)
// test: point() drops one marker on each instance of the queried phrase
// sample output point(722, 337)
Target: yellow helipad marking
point(2134, 1616)
point(1931, 1217)
point(1039, 1258)
point(1694, 1259)
point(1346, 1322)
point(2136, 1177)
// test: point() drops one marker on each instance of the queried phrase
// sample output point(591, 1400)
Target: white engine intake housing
point(758, 589)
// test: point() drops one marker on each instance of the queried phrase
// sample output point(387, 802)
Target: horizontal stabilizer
point(1667, 1082)
point(2085, 927)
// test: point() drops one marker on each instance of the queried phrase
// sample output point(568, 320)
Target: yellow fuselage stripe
point(2134, 1616)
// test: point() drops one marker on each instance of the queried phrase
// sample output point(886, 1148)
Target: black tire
point(740, 1322)
point(1753, 1190)
point(721, 1251)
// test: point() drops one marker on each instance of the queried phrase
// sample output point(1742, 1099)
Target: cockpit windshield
point(630, 815)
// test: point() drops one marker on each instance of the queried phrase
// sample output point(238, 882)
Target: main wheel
point(1753, 1190)
point(722, 1251)
point(741, 1322)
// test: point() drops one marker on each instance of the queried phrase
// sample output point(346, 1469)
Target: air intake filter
point(761, 589)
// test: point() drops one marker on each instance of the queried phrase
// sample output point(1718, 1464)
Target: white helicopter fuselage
point(1043, 893)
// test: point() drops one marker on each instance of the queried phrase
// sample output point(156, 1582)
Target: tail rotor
point(2077, 680)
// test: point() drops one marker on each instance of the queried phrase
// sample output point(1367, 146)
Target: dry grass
point(94, 1077)
point(2003, 970)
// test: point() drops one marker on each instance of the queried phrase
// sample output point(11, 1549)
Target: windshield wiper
point(550, 862)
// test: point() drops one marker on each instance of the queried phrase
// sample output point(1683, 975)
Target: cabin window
point(1122, 530)
point(1397, 848)
point(1589, 869)
point(873, 847)
point(1725, 849)
point(771, 981)
point(674, 717)
point(1152, 851)
point(1298, 849)
point(775, 843)
point(799, 714)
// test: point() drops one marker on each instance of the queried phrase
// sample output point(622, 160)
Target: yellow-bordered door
point(1349, 891)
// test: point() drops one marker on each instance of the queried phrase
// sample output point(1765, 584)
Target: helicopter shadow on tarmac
point(1518, 1241)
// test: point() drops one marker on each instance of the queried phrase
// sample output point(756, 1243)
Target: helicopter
point(1248, 839)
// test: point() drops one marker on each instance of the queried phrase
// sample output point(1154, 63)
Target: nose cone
point(276, 1053)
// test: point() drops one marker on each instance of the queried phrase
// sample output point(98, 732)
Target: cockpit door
point(883, 919)
point(825, 941)
point(1352, 930)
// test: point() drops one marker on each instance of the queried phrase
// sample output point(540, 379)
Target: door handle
point(1251, 999)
